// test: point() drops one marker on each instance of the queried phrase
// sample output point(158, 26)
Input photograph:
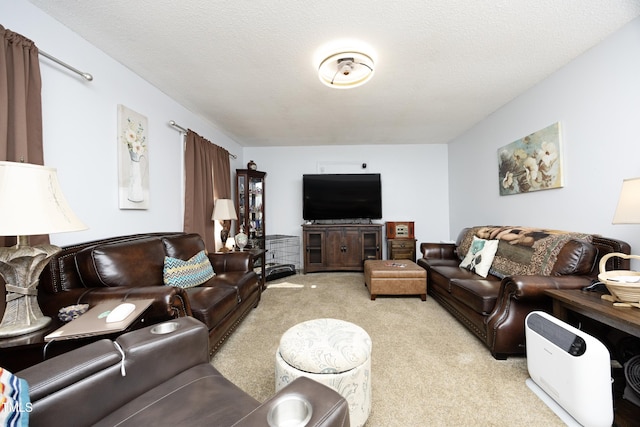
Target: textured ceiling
point(247, 66)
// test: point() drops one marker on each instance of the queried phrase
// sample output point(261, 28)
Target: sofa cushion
point(211, 304)
point(244, 284)
point(524, 250)
point(129, 263)
point(477, 294)
point(183, 246)
point(186, 274)
point(200, 394)
point(480, 256)
point(576, 257)
point(441, 274)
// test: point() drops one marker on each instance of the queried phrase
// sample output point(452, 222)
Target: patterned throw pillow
point(186, 274)
point(15, 404)
point(480, 256)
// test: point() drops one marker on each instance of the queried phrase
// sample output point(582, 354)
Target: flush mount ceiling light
point(345, 69)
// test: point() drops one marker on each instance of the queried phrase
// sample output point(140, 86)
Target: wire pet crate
point(282, 250)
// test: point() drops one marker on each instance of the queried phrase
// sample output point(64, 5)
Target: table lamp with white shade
point(224, 210)
point(628, 209)
point(31, 203)
point(623, 285)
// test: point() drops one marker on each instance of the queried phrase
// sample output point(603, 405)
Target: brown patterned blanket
point(521, 250)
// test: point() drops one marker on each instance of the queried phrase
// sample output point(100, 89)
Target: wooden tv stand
point(341, 246)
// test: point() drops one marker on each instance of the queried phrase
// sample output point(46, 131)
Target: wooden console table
point(589, 304)
point(340, 247)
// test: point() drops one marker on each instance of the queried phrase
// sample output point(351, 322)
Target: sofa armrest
point(533, 287)
point(87, 384)
point(329, 409)
point(231, 261)
point(528, 291)
point(438, 250)
point(54, 375)
point(518, 296)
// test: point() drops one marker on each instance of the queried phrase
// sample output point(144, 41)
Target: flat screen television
point(341, 196)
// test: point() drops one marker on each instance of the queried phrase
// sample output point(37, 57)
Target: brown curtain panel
point(221, 174)
point(20, 107)
point(207, 178)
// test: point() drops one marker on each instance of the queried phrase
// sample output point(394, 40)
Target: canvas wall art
point(133, 159)
point(531, 163)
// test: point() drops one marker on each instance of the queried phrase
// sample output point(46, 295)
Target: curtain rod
point(87, 76)
point(183, 130)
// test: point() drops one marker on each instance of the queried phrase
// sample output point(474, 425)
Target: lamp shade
point(628, 210)
point(224, 210)
point(31, 201)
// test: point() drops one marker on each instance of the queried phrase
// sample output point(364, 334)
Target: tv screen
point(341, 196)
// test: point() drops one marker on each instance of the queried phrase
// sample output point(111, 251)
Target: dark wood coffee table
point(591, 305)
point(627, 319)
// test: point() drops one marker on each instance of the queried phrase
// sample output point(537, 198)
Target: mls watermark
point(17, 407)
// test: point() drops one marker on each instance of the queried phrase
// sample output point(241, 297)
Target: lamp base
point(21, 325)
point(20, 267)
point(224, 235)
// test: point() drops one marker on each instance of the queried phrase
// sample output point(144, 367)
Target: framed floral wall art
point(531, 163)
point(133, 160)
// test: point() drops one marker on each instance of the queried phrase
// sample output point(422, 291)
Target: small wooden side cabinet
point(401, 249)
point(401, 241)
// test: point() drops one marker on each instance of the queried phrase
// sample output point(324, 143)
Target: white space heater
point(570, 371)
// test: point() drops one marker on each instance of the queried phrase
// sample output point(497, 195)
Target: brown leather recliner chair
point(158, 376)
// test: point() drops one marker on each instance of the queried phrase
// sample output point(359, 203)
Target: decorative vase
point(135, 193)
point(241, 240)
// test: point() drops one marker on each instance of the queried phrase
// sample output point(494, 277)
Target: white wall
point(80, 140)
point(596, 98)
point(414, 183)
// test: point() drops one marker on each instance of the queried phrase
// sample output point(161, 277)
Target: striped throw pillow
point(186, 274)
point(15, 404)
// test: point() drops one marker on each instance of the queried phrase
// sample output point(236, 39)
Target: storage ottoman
point(332, 352)
point(399, 277)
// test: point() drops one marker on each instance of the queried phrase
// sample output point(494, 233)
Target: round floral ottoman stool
point(333, 352)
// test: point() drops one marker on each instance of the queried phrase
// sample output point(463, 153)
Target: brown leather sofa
point(131, 267)
point(156, 376)
point(494, 308)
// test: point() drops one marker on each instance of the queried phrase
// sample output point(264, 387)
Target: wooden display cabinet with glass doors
point(250, 192)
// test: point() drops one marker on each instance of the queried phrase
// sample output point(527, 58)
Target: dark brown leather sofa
point(167, 381)
point(494, 308)
point(131, 267)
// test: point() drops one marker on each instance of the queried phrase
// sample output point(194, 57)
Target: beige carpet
point(426, 368)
